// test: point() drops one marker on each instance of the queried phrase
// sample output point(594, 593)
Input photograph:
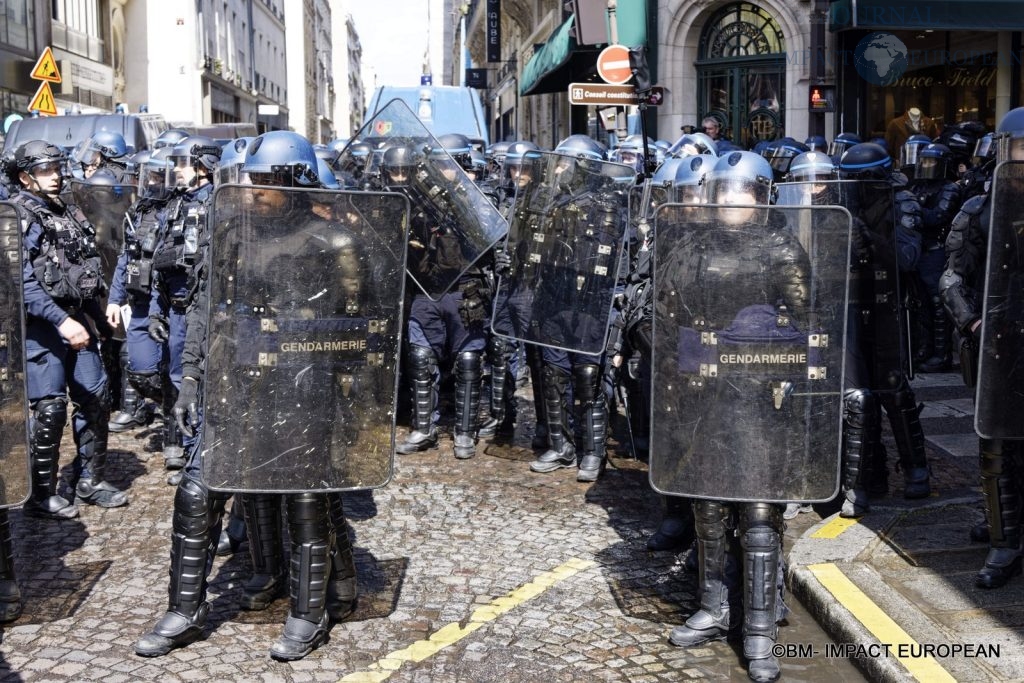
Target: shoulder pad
point(905, 196)
point(974, 205)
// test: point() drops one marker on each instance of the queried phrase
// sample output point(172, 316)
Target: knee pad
point(149, 384)
point(760, 521)
point(587, 382)
point(422, 363)
point(191, 507)
point(554, 381)
point(859, 407)
point(468, 367)
point(51, 415)
point(711, 519)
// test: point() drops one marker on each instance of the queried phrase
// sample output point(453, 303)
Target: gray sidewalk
point(900, 581)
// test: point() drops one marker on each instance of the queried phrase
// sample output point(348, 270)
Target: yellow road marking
point(382, 669)
point(834, 528)
point(878, 623)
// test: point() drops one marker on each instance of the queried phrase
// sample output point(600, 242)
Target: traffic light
point(641, 72)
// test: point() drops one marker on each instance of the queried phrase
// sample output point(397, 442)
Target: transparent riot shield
point(1000, 398)
point(14, 466)
point(306, 290)
point(565, 243)
point(105, 207)
point(453, 223)
point(748, 352)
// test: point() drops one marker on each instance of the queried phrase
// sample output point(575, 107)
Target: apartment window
point(17, 24)
point(78, 28)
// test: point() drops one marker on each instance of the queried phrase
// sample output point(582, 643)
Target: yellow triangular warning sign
point(46, 68)
point(43, 100)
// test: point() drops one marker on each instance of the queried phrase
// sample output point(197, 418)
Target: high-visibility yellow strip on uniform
point(452, 633)
point(832, 529)
point(880, 624)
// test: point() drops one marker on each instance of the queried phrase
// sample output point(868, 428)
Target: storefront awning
point(939, 15)
point(561, 60)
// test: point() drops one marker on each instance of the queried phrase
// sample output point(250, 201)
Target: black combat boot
point(310, 528)
point(47, 425)
point(905, 418)
point(89, 482)
point(10, 595)
point(762, 579)
point(714, 620)
point(197, 517)
point(562, 453)
point(422, 372)
point(269, 579)
point(468, 377)
point(592, 418)
point(133, 412)
point(676, 529)
point(999, 472)
point(343, 589)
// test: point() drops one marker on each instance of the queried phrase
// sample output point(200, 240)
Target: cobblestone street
point(474, 570)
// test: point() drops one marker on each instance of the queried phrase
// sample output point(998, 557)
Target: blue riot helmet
point(495, 155)
point(763, 147)
point(324, 152)
point(195, 158)
point(156, 175)
point(134, 166)
point(843, 142)
point(692, 144)
point(357, 159)
point(740, 178)
point(934, 162)
point(1009, 136)
point(911, 150)
point(865, 161)
point(281, 158)
point(478, 164)
point(169, 138)
point(984, 150)
point(810, 166)
point(517, 158)
point(816, 143)
point(458, 147)
point(231, 159)
point(397, 165)
point(104, 146)
point(782, 154)
point(691, 178)
point(579, 145)
point(326, 175)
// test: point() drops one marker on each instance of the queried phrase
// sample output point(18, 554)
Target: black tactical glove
point(502, 263)
point(186, 408)
point(158, 329)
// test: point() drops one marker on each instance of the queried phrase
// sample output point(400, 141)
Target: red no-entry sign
point(613, 65)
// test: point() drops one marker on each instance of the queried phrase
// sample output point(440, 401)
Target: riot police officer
point(63, 289)
point(193, 160)
point(963, 290)
point(723, 289)
point(887, 240)
point(323, 573)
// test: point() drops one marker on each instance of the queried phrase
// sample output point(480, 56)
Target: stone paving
point(444, 539)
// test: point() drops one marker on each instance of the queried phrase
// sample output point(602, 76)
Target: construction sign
point(43, 100)
point(46, 68)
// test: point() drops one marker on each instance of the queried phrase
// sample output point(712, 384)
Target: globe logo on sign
point(880, 58)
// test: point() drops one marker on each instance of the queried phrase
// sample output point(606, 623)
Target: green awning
point(939, 15)
point(561, 60)
point(548, 68)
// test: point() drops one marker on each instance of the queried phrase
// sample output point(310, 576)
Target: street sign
point(605, 94)
point(43, 100)
point(46, 68)
point(426, 79)
point(613, 65)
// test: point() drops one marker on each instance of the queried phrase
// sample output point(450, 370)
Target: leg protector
point(535, 362)
point(310, 529)
point(860, 436)
point(89, 478)
point(714, 620)
point(196, 523)
point(422, 370)
point(592, 418)
point(343, 590)
point(468, 376)
point(235, 534)
point(905, 418)
point(48, 420)
point(174, 452)
point(941, 357)
point(148, 384)
point(497, 357)
point(676, 529)
point(999, 471)
point(562, 452)
point(10, 596)
point(269, 574)
point(761, 525)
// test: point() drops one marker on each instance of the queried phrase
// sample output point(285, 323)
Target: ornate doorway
point(741, 73)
